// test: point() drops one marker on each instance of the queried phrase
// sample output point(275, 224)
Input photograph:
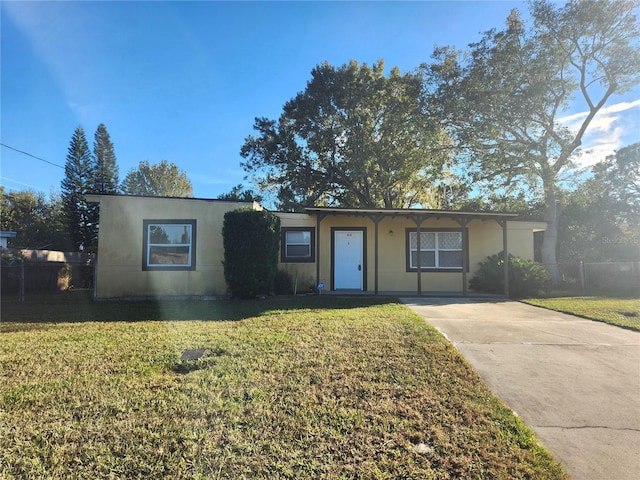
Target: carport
point(418, 217)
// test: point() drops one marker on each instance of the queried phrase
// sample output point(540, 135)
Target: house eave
point(412, 213)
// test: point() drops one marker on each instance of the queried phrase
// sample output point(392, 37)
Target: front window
point(169, 245)
point(438, 250)
point(297, 244)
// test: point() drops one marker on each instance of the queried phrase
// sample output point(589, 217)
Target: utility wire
point(33, 156)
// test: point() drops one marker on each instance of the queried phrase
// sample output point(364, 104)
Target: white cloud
point(575, 118)
point(613, 127)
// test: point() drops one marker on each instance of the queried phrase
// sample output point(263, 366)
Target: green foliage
point(160, 180)
point(105, 177)
point(600, 220)
point(621, 173)
point(68, 221)
point(251, 246)
point(283, 283)
point(240, 194)
point(526, 278)
point(624, 312)
point(353, 137)
point(502, 99)
point(38, 222)
point(81, 217)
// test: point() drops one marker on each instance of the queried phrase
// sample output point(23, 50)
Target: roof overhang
point(411, 213)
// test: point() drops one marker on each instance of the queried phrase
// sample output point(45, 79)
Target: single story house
point(160, 246)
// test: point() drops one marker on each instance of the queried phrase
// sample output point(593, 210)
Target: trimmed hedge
point(251, 241)
point(283, 283)
point(526, 278)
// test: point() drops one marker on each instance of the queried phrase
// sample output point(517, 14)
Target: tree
point(161, 180)
point(620, 174)
point(503, 99)
point(105, 179)
point(353, 137)
point(80, 216)
point(600, 220)
point(240, 194)
point(36, 221)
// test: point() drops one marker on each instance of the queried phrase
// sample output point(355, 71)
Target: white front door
point(347, 259)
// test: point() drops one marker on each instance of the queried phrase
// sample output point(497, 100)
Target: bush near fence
point(45, 271)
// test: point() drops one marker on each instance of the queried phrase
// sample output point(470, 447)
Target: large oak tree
point(503, 98)
point(163, 179)
point(353, 137)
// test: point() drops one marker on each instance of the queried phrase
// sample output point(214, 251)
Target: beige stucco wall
point(303, 274)
point(120, 248)
point(485, 238)
point(119, 270)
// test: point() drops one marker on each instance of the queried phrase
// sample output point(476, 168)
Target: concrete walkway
point(575, 382)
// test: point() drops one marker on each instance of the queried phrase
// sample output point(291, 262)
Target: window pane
point(427, 259)
point(427, 241)
point(169, 255)
point(298, 251)
point(170, 234)
point(450, 259)
point(450, 240)
point(303, 237)
point(413, 243)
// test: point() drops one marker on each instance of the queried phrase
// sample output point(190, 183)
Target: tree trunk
point(550, 239)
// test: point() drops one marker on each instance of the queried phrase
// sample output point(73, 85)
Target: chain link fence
point(601, 278)
point(24, 274)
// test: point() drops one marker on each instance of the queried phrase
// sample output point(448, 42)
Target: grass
point(318, 387)
point(623, 312)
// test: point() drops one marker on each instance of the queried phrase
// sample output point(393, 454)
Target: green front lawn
point(623, 312)
point(315, 387)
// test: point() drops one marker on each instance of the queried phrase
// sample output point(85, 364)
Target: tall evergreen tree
point(106, 174)
point(80, 216)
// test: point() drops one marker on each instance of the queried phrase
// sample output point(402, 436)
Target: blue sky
point(183, 81)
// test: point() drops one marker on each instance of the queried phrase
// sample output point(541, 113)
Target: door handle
point(359, 267)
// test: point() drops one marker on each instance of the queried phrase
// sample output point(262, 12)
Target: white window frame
point(284, 255)
point(412, 233)
point(148, 245)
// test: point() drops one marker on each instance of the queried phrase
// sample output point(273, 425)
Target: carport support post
point(505, 255)
point(465, 253)
point(376, 220)
point(418, 221)
point(319, 218)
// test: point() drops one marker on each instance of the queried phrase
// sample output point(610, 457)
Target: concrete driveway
point(575, 382)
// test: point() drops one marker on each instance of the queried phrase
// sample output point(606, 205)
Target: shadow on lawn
point(78, 306)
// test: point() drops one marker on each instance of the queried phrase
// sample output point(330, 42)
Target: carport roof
point(411, 213)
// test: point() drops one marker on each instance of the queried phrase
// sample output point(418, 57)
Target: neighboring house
point(159, 246)
point(4, 236)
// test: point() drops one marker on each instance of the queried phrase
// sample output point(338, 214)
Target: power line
point(30, 155)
